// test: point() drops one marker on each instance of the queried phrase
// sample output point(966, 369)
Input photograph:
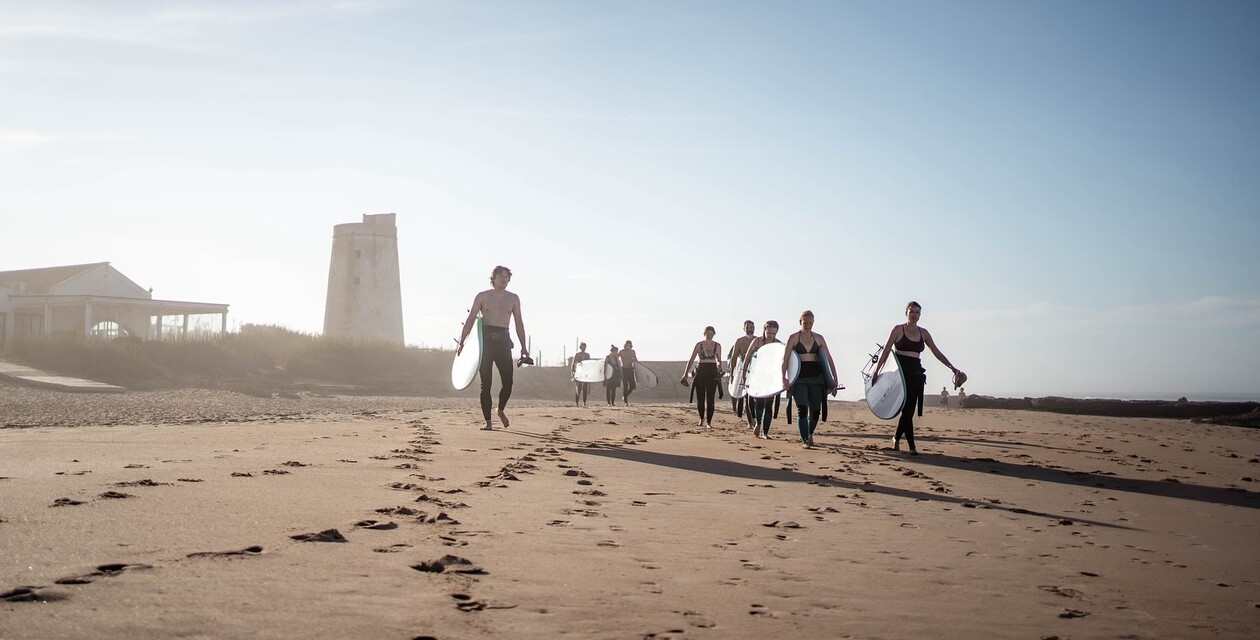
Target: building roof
point(41, 281)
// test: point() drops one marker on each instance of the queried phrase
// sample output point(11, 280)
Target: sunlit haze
point(1069, 189)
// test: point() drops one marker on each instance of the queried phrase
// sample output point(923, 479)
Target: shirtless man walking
point(496, 306)
point(737, 351)
point(628, 358)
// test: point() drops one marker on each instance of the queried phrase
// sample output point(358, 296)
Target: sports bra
point(904, 343)
point(707, 355)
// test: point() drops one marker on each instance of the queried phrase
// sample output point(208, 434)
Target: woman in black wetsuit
point(707, 356)
point(909, 339)
point(811, 385)
point(611, 383)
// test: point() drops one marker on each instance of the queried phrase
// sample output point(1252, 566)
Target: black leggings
point(706, 382)
point(497, 353)
point(913, 371)
point(627, 383)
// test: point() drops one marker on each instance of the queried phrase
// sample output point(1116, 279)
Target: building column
point(87, 318)
point(223, 323)
point(183, 333)
point(47, 320)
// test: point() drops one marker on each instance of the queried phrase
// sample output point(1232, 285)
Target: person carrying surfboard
point(909, 339)
point(582, 389)
point(628, 360)
point(707, 356)
point(738, 351)
point(760, 410)
point(497, 307)
point(613, 381)
point(813, 381)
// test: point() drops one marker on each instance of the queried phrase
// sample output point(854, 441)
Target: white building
point(364, 292)
point(96, 300)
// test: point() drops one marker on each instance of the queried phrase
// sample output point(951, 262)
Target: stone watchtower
point(364, 294)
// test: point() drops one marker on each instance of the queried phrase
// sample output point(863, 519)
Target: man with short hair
point(628, 358)
point(497, 307)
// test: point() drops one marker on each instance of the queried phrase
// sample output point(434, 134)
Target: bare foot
point(488, 427)
point(503, 418)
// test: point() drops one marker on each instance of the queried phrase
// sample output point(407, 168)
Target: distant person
point(496, 306)
point(628, 358)
point(582, 388)
point(962, 397)
point(613, 381)
point(737, 351)
point(761, 410)
point(944, 398)
point(706, 354)
point(909, 340)
point(811, 383)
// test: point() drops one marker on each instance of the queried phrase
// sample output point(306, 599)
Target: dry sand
point(614, 523)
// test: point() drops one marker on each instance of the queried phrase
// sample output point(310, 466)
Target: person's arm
point(787, 354)
point(883, 355)
point(468, 323)
point(520, 324)
point(927, 338)
point(752, 346)
point(717, 348)
point(695, 351)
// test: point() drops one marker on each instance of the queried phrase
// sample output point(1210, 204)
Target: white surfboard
point(644, 377)
point(589, 371)
point(885, 397)
point(765, 370)
point(736, 385)
point(468, 362)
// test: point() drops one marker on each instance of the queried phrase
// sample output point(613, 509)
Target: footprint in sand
point(376, 525)
point(327, 535)
point(451, 564)
point(393, 548)
point(103, 571)
point(31, 594)
point(65, 502)
point(247, 551)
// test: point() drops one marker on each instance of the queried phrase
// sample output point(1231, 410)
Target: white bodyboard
point(765, 370)
point(589, 371)
point(468, 362)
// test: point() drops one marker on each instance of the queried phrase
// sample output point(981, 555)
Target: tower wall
point(364, 293)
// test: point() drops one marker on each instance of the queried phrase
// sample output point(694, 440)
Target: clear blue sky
point(1069, 188)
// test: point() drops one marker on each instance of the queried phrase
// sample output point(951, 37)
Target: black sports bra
point(800, 348)
point(904, 343)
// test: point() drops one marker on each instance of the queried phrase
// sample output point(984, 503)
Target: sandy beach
point(208, 514)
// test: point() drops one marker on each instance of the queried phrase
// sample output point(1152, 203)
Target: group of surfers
point(621, 361)
point(907, 341)
point(808, 391)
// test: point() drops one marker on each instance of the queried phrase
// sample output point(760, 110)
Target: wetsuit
point(613, 381)
point(497, 352)
point(916, 379)
point(808, 391)
point(627, 375)
point(706, 383)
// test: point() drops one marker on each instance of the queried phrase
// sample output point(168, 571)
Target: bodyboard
point(886, 396)
point(466, 365)
point(765, 370)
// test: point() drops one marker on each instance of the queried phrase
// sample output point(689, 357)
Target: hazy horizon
point(1070, 188)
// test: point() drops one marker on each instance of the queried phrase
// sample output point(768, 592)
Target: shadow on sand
point(732, 469)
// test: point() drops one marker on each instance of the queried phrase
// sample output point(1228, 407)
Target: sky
point(1069, 188)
